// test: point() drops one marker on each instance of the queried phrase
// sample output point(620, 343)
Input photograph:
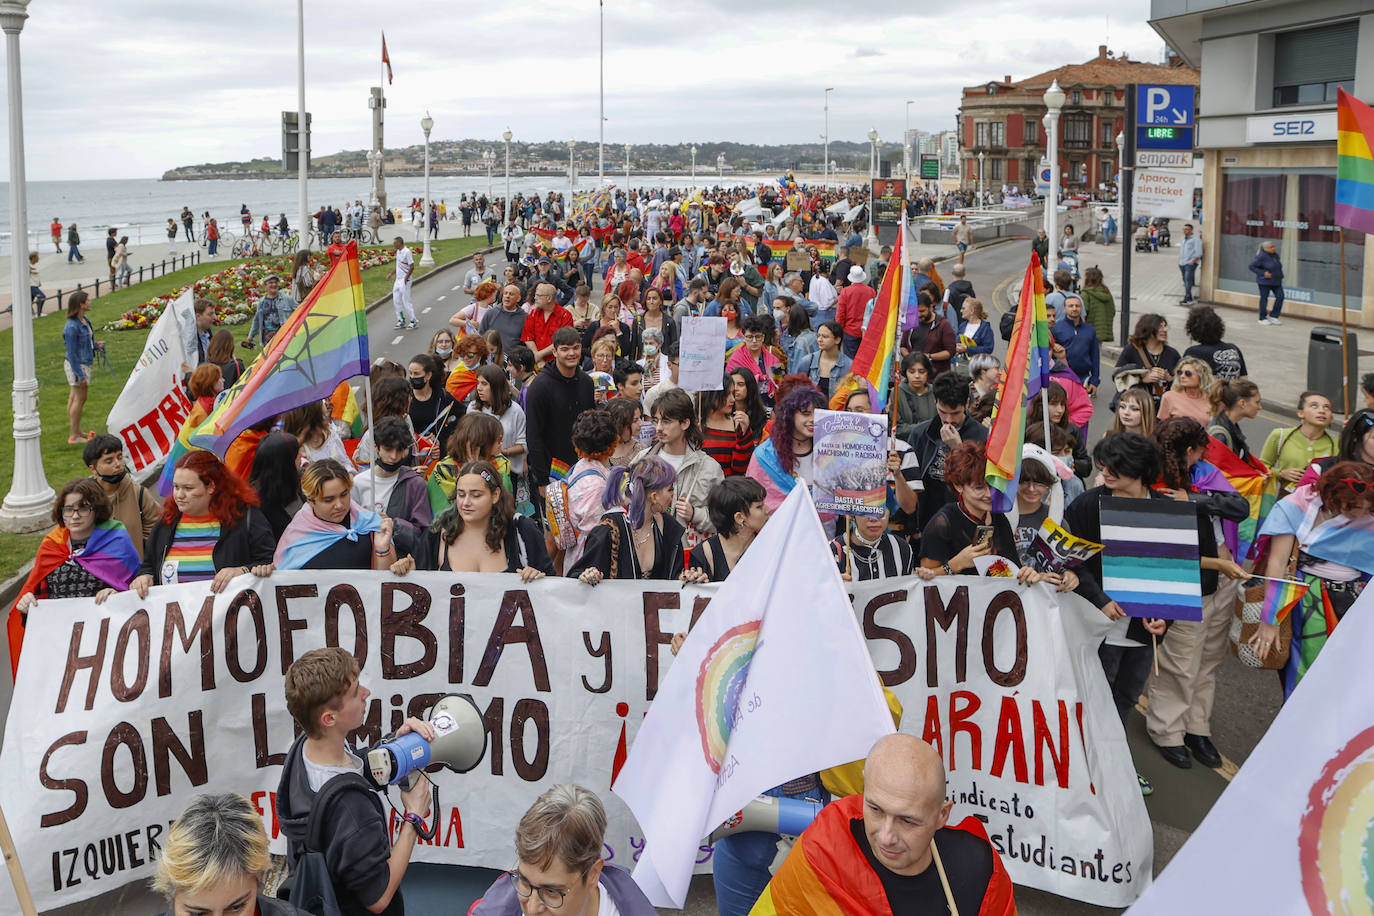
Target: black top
point(968, 866)
point(1167, 360)
point(1223, 428)
point(1226, 360)
point(950, 531)
point(667, 538)
point(552, 403)
point(422, 414)
point(931, 453)
point(343, 554)
point(524, 546)
point(1083, 517)
point(709, 556)
point(1027, 527)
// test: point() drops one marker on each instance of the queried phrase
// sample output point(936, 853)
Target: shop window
point(1296, 211)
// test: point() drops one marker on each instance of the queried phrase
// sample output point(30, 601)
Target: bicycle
point(249, 245)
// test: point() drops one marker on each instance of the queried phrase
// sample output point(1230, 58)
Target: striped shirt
point(193, 546)
point(732, 450)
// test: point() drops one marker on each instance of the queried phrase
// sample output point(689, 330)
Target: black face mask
point(389, 467)
point(418, 383)
point(113, 478)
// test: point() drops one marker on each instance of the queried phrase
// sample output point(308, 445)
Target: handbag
point(1246, 621)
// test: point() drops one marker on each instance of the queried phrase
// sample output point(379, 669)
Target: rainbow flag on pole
point(1280, 597)
point(1028, 371)
point(323, 343)
point(1354, 163)
point(878, 349)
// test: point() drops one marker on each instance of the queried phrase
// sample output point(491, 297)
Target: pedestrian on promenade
point(963, 237)
point(171, 235)
point(73, 241)
point(1268, 271)
point(56, 230)
point(36, 296)
point(1041, 246)
point(80, 346)
point(400, 290)
point(1189, 257)
point(120, 262)
point(188, 222)
point(212, 237)
point(1098, 305)
point(1206, 327)
point(110, 245)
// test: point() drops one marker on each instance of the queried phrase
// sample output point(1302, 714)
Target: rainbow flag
point(559, 470)
point(878, 349)
point(1280, 597)
point(824, 247)
point(180, 446)
point(1354, 163)
point(461, 382)
point(1251, 480)
point(323, 343)
point(1028, 372)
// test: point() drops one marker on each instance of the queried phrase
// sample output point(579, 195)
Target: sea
point(140, 207)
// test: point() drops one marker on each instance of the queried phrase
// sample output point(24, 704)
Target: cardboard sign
point(797, 260)
point(701, 354)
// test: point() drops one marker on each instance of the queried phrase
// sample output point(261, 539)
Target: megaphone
point(460, 743)
point(768, 814)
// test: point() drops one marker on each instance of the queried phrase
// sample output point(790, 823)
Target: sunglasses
point(1186, 373)
point(1359, 486)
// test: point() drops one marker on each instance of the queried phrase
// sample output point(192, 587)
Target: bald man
point(876, 852)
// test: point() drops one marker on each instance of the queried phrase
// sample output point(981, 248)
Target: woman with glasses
point(1324, 532)
point(756, 359)
point(559, 863)
point(87, 554)
point(331, 531)
point(1187, 397)
point(210, 529)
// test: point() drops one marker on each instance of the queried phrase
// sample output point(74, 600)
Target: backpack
point(310, 886)
point(1006, 324)
point(556, 509)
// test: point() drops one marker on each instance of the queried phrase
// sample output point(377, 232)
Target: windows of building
point(1077, 131)
point(998, 133)
point(1296, 211)
point(1309, 64)
point(1108, 139)
point(1076, 97)
point(1108, 98)
point(980, 132)
point(994, 170)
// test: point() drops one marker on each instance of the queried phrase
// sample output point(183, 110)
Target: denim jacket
point(79, 340)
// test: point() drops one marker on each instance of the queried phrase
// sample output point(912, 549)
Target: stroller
point(1162, 232)
point(1068, 260)
point(1142, 240)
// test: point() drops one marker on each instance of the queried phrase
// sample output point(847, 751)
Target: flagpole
point(1345, 335)
point(372, 466)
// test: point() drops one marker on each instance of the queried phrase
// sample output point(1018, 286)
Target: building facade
point(1270, 73)
point(1002, 120)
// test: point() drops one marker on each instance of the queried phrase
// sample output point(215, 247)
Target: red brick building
point(1002, 120)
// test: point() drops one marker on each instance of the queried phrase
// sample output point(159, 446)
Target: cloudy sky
point(129, 88)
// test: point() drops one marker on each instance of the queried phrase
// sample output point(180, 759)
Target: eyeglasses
point(1186, 373)
point(550, 897)
point(1359, 486)
point(84, 509)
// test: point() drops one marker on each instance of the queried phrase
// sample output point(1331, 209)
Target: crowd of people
point(544, 433)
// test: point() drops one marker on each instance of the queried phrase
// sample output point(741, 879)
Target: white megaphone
point(460, 743)
point(767, 814)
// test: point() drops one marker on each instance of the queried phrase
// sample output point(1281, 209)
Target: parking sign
point(1164, 117)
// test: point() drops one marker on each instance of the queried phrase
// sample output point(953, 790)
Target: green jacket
point(1100, 311)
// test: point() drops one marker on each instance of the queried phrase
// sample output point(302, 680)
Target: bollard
point(140, 274)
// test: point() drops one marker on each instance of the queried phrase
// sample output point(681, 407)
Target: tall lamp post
point(1120, 159)
point(720, 166)
point(627, 168)
point(29, 499)
point(426, 256)
point(872, 155)
point(374, 159)
point(980, 179)
point(825, 165)
point(572, 174)
point(694, 165)
point(1054, 101)
point(505, 216)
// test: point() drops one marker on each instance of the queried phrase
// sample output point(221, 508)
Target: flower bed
point(236, 289)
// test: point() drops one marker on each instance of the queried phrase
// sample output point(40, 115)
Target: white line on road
point(426, 310)
point(454, 289)
point(441, 299)
point(398, 339)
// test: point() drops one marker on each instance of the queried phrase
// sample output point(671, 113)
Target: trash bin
point(1324, 366)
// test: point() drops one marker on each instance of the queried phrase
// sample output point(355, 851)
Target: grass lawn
point(62, 462)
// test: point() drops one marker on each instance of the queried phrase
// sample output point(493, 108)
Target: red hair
point(965, 464)
point(231, 497)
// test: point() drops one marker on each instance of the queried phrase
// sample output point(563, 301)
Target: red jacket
point(852, 305)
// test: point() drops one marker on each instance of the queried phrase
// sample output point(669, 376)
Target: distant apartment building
point(1270, 74)
point(1002, 120)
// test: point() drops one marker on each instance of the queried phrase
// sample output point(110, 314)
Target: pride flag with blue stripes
point(1354, 163)
point(1150, 562)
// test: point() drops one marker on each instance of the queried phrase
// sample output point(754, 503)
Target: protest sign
point(701, 354)
point(858, 256)
point(152, 407)
point(1290, 835)
point(889, 200)
point(1059, 550)
point(123, 711)
point(850, 463)
point(1150, 557)
point(797, 260)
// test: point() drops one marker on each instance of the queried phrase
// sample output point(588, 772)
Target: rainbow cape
point(181, 445)
point(1028, 372)
point(461, 382)
point(323, 343)
point(1251, 480)
point(1354, 163)
point(1280, 597)
point(877, 354)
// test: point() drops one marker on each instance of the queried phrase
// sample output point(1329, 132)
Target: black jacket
point(552, 403)
point(249, 543)
point(597, 550)
point(925, 442)
point(524, 545)
point(358, 845)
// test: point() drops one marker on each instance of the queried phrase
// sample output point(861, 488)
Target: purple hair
point(629, 487)
point(800, 400)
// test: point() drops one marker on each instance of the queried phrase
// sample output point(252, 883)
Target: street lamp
point(1054, 101)
point(825, 165)
point(981, 154)
point(26, 505)
point(1120, 159)
point(572, 174)
point(694, 166)
point(505, 217)
point(627, 168)
point(426, 256)
point(872, 155)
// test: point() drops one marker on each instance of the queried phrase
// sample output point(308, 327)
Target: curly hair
point(91, 493)
point(1146, 327)
point(801, 400)
point(629, 487)
point(472, 348)
point(1204, 325)
point(231, 496)
point(965, 464)
point(1336, 492)
point(449, 524)
point(1175, 436)
point(594, 435)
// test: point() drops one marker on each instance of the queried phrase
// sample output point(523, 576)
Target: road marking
point(441, 299)
point(426, 310)
point(454, 289)
point(398, 339)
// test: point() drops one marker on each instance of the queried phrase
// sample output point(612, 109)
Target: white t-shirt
point(317, 775)
point(607, 906)
point(363, 495)
point(674, 460)
point(405, 266)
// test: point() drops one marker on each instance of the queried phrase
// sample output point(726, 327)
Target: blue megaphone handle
point(411, 752)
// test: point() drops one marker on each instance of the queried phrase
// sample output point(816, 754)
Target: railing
point(152, 271)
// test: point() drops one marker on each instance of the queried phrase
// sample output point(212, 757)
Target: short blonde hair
point(608, 342)
point(217, 837)
point(318, 473)
point(1203, 369)
point(566, 823)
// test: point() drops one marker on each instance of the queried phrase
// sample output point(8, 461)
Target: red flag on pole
point(386, 60)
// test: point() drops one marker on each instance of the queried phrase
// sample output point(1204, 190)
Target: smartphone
point(983, 535)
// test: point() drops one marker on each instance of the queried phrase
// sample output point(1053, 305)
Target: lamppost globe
point(426, 256)
point(426, 124)
point(507, 135)
point(1054, 96)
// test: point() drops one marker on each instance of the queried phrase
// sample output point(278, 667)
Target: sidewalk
point(1276, 357)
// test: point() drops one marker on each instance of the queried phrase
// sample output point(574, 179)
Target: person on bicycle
point(283, 226)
